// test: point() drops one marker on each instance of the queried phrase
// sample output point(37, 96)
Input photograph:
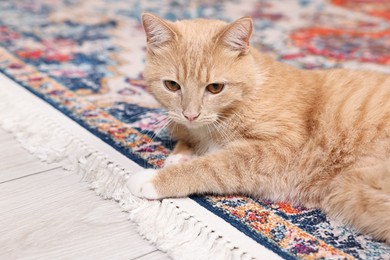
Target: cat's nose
point(190, 116)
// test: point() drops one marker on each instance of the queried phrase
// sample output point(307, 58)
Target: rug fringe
point(164, 224)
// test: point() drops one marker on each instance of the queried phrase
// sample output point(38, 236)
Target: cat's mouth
point(193, 124)
point(203, 120)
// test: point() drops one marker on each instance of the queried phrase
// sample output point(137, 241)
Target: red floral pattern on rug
point(375, 8)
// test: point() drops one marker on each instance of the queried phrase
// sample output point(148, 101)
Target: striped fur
point(316, 138)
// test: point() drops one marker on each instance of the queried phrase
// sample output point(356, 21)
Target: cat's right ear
point(158, 32)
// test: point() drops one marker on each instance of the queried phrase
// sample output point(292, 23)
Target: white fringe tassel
point(167, 226)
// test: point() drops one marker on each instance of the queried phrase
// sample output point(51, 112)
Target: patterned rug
point(85, 58)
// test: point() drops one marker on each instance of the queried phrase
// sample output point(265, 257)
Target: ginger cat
point(247, 124)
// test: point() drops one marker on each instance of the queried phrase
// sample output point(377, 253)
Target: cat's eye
point(215, 88)
point(171, 85)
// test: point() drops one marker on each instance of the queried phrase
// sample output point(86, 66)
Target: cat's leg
point(180, 154)
point(361, 198)
point(244, 168)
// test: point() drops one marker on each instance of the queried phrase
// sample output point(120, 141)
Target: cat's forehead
point(199, 30)
point(194, 50)
point(192, 59)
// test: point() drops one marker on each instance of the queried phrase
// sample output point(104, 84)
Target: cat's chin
point(192, 125)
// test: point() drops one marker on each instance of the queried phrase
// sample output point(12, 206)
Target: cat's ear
point(158, 32)
point(237, 35)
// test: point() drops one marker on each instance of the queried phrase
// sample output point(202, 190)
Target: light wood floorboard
point(15, 162)
point(48, 213)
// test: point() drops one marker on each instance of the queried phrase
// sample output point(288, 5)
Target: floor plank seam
point(143, 255)
point(32, 174)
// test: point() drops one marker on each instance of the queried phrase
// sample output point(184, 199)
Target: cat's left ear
point(237, 35)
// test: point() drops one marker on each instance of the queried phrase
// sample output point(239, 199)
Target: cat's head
point(199, 70)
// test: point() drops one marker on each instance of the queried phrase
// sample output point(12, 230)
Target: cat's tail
point(361, 198)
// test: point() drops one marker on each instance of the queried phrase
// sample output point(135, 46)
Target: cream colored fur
point(315, 138)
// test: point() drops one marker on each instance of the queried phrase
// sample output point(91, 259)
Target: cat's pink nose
point(191, 117)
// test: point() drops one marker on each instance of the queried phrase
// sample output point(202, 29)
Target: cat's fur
point(315, 138)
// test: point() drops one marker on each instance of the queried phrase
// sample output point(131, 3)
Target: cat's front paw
point(176, 158)
point(140, 184)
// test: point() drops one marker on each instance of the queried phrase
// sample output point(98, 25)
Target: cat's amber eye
point(171, 85)
point(215, 88)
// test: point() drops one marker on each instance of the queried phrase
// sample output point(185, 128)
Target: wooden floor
point(48, 213)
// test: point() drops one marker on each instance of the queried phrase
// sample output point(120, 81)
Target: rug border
point(259, 239)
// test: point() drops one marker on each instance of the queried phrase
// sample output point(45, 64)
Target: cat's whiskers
point(232, 134)
point(228, 134)
point(165, 122)
point(209, 131)
point(160, 129)
point(175, 117)
point(227, 137)
point(158, 121)
point(208, 120)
